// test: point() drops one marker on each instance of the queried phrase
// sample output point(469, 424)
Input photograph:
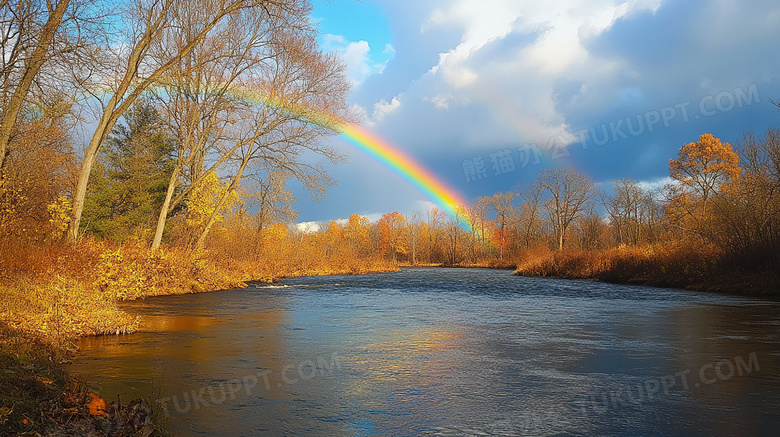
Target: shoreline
point(38, 395)
point(663, 269)
point(702, 289)
point(715, 287)
point(31, 357)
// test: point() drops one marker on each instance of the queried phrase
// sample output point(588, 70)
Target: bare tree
point(591, 230)
point(413, 226)
point(625, 210)
point(454, 232)
point(196, 94)
point(478, 217)
point(136, 70)
point(25, 40)
point(501, 204)
point(256, 94)
point(269, 198)
point(569, 193)
point(529, 219)
point(435, 218)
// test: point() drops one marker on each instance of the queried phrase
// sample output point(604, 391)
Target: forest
point(151, 150)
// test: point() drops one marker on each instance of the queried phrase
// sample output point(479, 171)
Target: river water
point(448, 352)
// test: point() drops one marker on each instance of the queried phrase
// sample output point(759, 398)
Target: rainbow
point(444, 196)
point(422, 178)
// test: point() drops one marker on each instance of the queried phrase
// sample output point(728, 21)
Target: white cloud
point(440, 101)
point(308, 227)
point(383, 107)
point(654, 184)
point(356, 55)
point(531, 45)
point(504, 71)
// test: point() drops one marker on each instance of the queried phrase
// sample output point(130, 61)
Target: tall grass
point(676, 265)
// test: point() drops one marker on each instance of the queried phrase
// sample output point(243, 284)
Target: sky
point(486, 93)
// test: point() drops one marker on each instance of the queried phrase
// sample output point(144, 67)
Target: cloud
point(308, 227)
point(529, 72)
point(440, 101)
point(655, 184)
point(468, 80)
point(383, 107)
point(356, 55)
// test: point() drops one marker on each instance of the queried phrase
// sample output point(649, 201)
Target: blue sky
point(608, 87)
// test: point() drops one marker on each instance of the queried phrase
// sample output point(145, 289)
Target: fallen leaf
point(97, 405)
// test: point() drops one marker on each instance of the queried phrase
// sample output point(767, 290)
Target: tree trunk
point(164, 210)
point(560, 239)
point(90, 156)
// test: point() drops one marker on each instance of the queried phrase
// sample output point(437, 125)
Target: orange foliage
point(705, 166)
point(96, 405)
point(389, 231)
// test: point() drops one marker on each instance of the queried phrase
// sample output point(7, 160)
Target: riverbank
point(480, 264)
point(74, 292)
point(671, 266)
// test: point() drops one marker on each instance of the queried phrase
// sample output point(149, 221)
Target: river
point(438, 351)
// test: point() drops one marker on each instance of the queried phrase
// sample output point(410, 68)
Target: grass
point(61, 309)
point(666, 265)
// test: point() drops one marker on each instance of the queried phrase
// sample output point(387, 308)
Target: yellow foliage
point(274, 235)
point(132, 271)
point(10, 199)
point(60, 216)
point(61, 309)
point(706, 165)
point(204, 199)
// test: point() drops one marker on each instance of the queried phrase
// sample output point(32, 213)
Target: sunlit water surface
point(449, 352)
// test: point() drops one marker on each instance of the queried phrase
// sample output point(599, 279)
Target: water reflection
point(448, 352)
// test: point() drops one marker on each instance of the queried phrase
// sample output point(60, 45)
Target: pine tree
point(128, 185)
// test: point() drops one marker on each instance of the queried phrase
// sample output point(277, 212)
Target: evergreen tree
point(129, 182)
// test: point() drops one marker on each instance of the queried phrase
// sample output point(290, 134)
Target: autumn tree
point(390, 227)
point(37, 172)
point(569, 193)
point(197, 92)
point(591, 229)
point(254, 97)
point(747, 215)
point(356, 232)
point(413, 228)
point(632, 211)
point(478, 217)
point(264, 201)
point(454, 233)
point(436, 218)
point(333, 238)
point(704, 167)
